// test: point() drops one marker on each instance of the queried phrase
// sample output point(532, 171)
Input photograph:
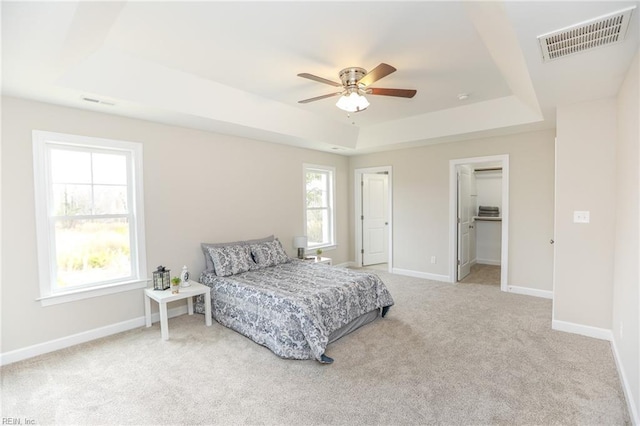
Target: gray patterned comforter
point(292, 308)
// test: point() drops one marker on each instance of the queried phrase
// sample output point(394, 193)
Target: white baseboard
point(488, 262)
point(583, 330)
point(347, 265)
point(631, 405)
point(425, 275)
point(85, 336)
point(546, 294)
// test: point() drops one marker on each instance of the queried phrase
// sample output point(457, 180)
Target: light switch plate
point(580, 216)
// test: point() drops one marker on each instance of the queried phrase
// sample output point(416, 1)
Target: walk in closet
point(487, 220)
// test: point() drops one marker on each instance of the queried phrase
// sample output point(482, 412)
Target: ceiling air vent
point(601, 31)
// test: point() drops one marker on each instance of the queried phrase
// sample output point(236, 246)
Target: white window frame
point(331, 171)
point(43, 141)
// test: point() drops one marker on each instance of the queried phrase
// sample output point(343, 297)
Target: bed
point(293, 307)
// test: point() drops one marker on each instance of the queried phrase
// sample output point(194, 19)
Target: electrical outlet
point(433, 259)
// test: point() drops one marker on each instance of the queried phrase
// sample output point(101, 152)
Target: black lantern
point(161, 278)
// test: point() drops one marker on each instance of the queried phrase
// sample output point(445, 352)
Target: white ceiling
point(231, 67)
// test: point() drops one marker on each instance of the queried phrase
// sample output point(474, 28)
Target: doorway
point(464, 216)
point(373, 217)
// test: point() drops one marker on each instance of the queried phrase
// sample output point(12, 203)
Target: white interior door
point(375, 235)
point(464, 221)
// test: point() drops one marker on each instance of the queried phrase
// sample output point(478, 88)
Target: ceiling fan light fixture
point(352, 102)
point(355, 84)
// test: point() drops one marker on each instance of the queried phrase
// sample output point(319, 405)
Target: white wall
point(234, 189)
point(585, 181)
point(421, 200)
point(488, 242)
point(488, 233)
point(489, 189)
point(596, 290)
point(626, 291)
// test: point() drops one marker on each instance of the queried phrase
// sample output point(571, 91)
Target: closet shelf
point(488, 219)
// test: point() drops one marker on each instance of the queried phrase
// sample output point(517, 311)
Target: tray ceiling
point(231, 67)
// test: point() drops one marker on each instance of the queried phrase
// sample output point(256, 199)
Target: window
point(319, 205)
point(89, 216)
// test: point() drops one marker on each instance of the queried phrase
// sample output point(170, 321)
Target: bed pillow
point(231, 260)
point(269, 253)
point(207, 257)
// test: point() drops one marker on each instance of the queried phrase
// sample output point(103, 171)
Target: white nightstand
point(314, 259)
point(164, 297)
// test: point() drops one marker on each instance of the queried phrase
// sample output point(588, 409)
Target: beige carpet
point(446, 354)
point(483, 274)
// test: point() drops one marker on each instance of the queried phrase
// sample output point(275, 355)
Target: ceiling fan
point(355, 84)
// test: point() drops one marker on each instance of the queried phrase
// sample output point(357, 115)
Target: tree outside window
point(319, 204)
point(89, 208)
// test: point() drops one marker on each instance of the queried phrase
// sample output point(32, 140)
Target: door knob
point(551, 241)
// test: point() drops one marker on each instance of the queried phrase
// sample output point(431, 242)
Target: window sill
point(74, 295)
point(323, 248)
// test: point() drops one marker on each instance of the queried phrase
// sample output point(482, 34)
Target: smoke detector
point(601, 31)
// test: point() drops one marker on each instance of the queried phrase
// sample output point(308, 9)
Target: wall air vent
point(601, 31)
point(98, 101)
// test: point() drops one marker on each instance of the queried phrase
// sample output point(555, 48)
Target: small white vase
point(184, 277)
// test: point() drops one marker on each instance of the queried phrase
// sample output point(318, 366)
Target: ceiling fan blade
point(401, 93)
point(376, 74)
point(317, 98)
point(319, 79)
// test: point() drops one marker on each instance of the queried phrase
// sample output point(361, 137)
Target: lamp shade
point(352, 102)
point(300, 242)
